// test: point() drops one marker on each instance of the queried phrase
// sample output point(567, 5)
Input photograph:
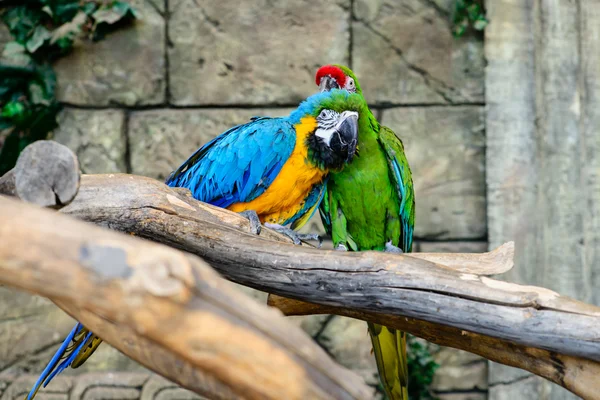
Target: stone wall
point(145, 98)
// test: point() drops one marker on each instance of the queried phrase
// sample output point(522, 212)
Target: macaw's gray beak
point(347, 131)
point(327, 83)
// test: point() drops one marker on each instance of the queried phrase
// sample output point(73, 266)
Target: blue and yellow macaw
point(273, 170)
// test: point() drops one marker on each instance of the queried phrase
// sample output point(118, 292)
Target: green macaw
point(370, 205)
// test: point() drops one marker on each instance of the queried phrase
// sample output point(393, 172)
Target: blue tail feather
point(54, 361)
point(69, 360)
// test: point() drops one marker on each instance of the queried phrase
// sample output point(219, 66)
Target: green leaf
point(113, 14)
point(9, 153)
point(4, 124)
point(12, 48)
point(64, 44)
point(45, 78)
point(43, 121)
point(468, 13)
point(12, 109)
point(22, 21)
point(15, 17)
point(460, 28)
point(106, 15)
point(480, 24)
point(70, 29)
point(66, 11)
point(48, 10)
point(37, 40)
point(89, 8)
point(38, 95)
point(473, 12)
point(124, 8)
point(16, 53)
point(421, 369)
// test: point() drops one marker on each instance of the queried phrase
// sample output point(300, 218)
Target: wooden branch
point(573, 373)
point(104, 198)
point(47, 174)
point(368, 281)
point(554, 335)
point(166, 309)
point(493, 262)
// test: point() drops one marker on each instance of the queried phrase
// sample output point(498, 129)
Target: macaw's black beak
point(328, 83)
point(347, 132)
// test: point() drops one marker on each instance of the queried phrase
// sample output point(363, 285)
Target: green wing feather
point(402, 177)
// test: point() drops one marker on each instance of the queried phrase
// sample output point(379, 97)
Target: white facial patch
point(325, 134)
point(329, 122)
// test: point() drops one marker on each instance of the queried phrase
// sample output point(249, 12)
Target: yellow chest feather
point(285, 197)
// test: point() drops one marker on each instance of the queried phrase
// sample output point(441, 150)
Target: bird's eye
point(351, 83)
point(323, 113)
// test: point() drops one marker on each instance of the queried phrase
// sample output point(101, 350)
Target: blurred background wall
point(145, 98)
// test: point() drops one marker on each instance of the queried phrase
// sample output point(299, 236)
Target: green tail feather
point(389, 348)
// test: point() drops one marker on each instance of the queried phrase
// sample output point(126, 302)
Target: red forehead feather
point(335, 72)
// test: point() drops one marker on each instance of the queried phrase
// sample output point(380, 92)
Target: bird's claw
point(311, 236)
point(340, 247)
point(252, 217)
point(390, 248)
point(296, 237)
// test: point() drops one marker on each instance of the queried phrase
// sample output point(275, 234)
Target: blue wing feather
point(238, 165)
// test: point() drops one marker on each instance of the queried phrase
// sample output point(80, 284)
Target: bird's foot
point(252, 217)
point(390, 248)
point(296, 237)
point(340, 247)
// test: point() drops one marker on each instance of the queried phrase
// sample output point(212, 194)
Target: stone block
point(445, 147)
point(452, 247)
point(126, 67)
point(96, 136)
point(462, 396)
point(502, 374)
point(96, 386)
point(311, 324)
point(17, 387)
point(161, 140)
point(31, 330)
point(253, 52)
point(527, 388)
point(159, 388)
point(404, 52)
point(459, 371)
point(347, 341)
point(29, 326)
